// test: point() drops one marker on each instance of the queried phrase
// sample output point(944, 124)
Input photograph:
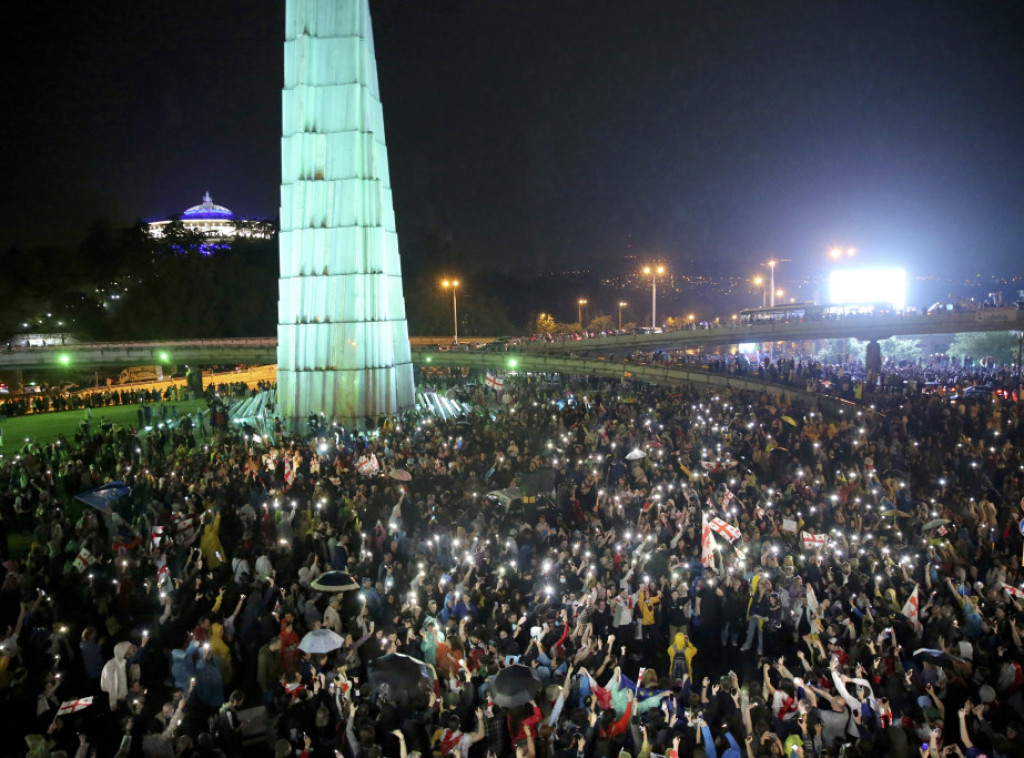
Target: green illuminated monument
point(343, 342)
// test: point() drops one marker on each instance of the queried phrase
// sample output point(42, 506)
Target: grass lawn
point(44, 427)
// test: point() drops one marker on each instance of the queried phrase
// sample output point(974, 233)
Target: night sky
point(708, 134)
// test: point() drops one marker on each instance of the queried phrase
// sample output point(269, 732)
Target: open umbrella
point(400, 474)
point(789, 420)
point(935, 523)
point(321, 641)
point(334, 581)
point(399, 680)
point(515, 686)
point(635, 455)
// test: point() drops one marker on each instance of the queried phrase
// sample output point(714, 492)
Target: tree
point(835, 350)
point(1001, 347)
point(601, 324)
point(544, 323)
point(900, 350)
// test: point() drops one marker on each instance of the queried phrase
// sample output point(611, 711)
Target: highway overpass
point(263, 350)
point(865, 327)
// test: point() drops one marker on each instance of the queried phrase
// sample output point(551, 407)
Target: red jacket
point(530, 721)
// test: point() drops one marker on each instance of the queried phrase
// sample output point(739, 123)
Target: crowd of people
point(57, 399)
point(850, 380)
point(671, 571)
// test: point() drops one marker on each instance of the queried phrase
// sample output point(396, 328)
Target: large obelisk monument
point(342, 338)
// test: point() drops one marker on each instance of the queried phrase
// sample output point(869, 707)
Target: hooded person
point(209, 544)
point(680, 657)
point(114, 677)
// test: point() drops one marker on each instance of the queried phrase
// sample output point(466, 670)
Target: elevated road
point(263, 350)
point(252, 351)
point(858, 327)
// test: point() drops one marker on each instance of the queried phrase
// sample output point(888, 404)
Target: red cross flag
point(707, 544)
point(813, 541)
point(725, 529)
point(367, 465)
point(727, 499)
point(73, 706)
point(912, 608)
point(494, 381)
point(1013, 591)
point(83, 560)
point(186, 528)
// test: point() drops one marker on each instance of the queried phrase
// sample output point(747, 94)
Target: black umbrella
point(515, 686)
point(401, 681)
point(334, 581)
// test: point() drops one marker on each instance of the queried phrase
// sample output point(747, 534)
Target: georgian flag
point(494, 381)
point(707, 543)
point(727, 499)
point(759, 511)
point(912, 608)
point(186, 528)
point(73, 706)
point(368, 465)
point(724, 528)
point(84, 560)
point(1013, 591)
point(813, 541)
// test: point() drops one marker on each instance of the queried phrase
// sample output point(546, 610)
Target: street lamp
point(453, 284)
point(621, 306)
point(837, 252)
point(654, 271)
point(579, 306)
point(759, 281)
point(771, 265)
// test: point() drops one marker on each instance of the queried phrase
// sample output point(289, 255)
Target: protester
point(681, 571)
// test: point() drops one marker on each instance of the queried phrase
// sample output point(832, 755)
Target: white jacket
point(114, 678)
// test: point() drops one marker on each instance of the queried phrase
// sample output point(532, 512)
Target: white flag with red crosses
point(725, 529)
point(73, 706)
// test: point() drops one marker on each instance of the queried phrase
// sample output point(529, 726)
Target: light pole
point(453, 284)
point(621, 306)
point(579, 310)
point(837, 252)
point(654, 271)
point(771, 265)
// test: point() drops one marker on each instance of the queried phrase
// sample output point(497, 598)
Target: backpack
point(224, 729)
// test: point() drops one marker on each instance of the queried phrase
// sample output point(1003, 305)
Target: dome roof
point(207, 210)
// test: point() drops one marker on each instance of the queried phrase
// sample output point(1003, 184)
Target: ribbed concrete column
point(343, 342)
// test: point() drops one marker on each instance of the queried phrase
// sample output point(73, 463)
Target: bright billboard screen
point(863, 286)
